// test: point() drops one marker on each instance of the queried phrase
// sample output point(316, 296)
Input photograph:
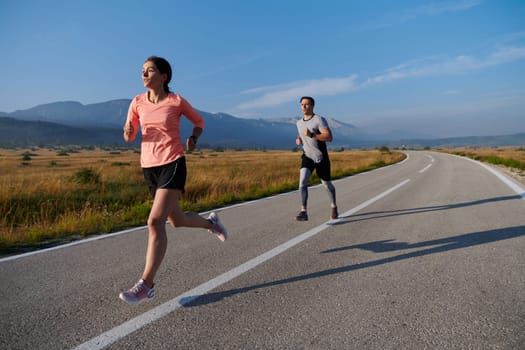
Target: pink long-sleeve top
point(160, 127)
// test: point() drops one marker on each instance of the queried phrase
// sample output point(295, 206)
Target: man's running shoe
point(218, 229)
point(334, 214)
point(138, 293)
point(302, 216)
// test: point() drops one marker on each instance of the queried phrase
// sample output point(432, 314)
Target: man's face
point(306, 106)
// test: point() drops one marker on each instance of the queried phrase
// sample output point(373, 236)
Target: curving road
point(427, 254)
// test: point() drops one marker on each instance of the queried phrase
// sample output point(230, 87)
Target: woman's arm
point(191, 141)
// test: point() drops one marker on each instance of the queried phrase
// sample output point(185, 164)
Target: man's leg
point(304, 175)
point(324, 172)
point(331, 192)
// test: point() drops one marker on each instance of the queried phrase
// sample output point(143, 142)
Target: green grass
point(492, 159)
point(48, 202)
point(508, 162)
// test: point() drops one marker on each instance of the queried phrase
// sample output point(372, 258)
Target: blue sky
point(432, 68)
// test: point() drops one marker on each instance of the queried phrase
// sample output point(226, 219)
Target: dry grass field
point(53, 195)
point(510, 159)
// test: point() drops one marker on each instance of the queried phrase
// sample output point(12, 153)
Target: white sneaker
point(218, 229)
point(138, 293)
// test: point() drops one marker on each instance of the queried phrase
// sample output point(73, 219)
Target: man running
point(313, 134)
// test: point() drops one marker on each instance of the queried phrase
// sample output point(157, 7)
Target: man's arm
point(325, 135)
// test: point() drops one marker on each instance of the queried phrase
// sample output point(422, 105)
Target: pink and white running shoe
point(138, 293)
point(218, 229)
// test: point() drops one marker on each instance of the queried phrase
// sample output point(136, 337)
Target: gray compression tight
point(304, 175)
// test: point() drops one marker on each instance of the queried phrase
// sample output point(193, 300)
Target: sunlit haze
point(431, 68)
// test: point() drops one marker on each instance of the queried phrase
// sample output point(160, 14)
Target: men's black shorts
point(322, 168)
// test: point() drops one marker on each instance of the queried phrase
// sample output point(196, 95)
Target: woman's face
point(152, 78)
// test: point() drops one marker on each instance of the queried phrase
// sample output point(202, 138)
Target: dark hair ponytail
point(164, 68)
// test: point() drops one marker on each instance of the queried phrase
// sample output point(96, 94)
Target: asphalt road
point(427, 254)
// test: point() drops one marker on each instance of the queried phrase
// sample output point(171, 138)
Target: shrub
point(138, 213)
point(86, 176)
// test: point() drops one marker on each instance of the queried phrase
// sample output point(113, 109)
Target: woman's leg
point(165, 202)
point(178, 218)
point(166, 207)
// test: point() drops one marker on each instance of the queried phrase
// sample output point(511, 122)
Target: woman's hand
point(191, 142)
point(128, 131)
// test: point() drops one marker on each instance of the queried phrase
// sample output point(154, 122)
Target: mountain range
point(72, 123)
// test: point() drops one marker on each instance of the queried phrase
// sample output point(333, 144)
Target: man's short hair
point(311, 99)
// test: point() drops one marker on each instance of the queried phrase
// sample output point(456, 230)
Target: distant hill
point(467, 141)
point(111, 113)
point(70, 122)
point(53, 123)
point(21, 133)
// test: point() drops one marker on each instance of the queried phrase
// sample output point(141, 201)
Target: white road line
point(104, 236)
point(109, 235)
point(428, 166)
point(514, 186)
point(95, 238)
point(425, 169)
point(168, 307)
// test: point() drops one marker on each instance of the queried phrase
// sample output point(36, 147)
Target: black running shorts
point(322, 168)
point(171, 176)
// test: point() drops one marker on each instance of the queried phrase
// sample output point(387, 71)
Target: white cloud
point(279, 94)
point(431, 9)
point(444, 7)
point(506, 54)
point(275, 95)
point(455, 65)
